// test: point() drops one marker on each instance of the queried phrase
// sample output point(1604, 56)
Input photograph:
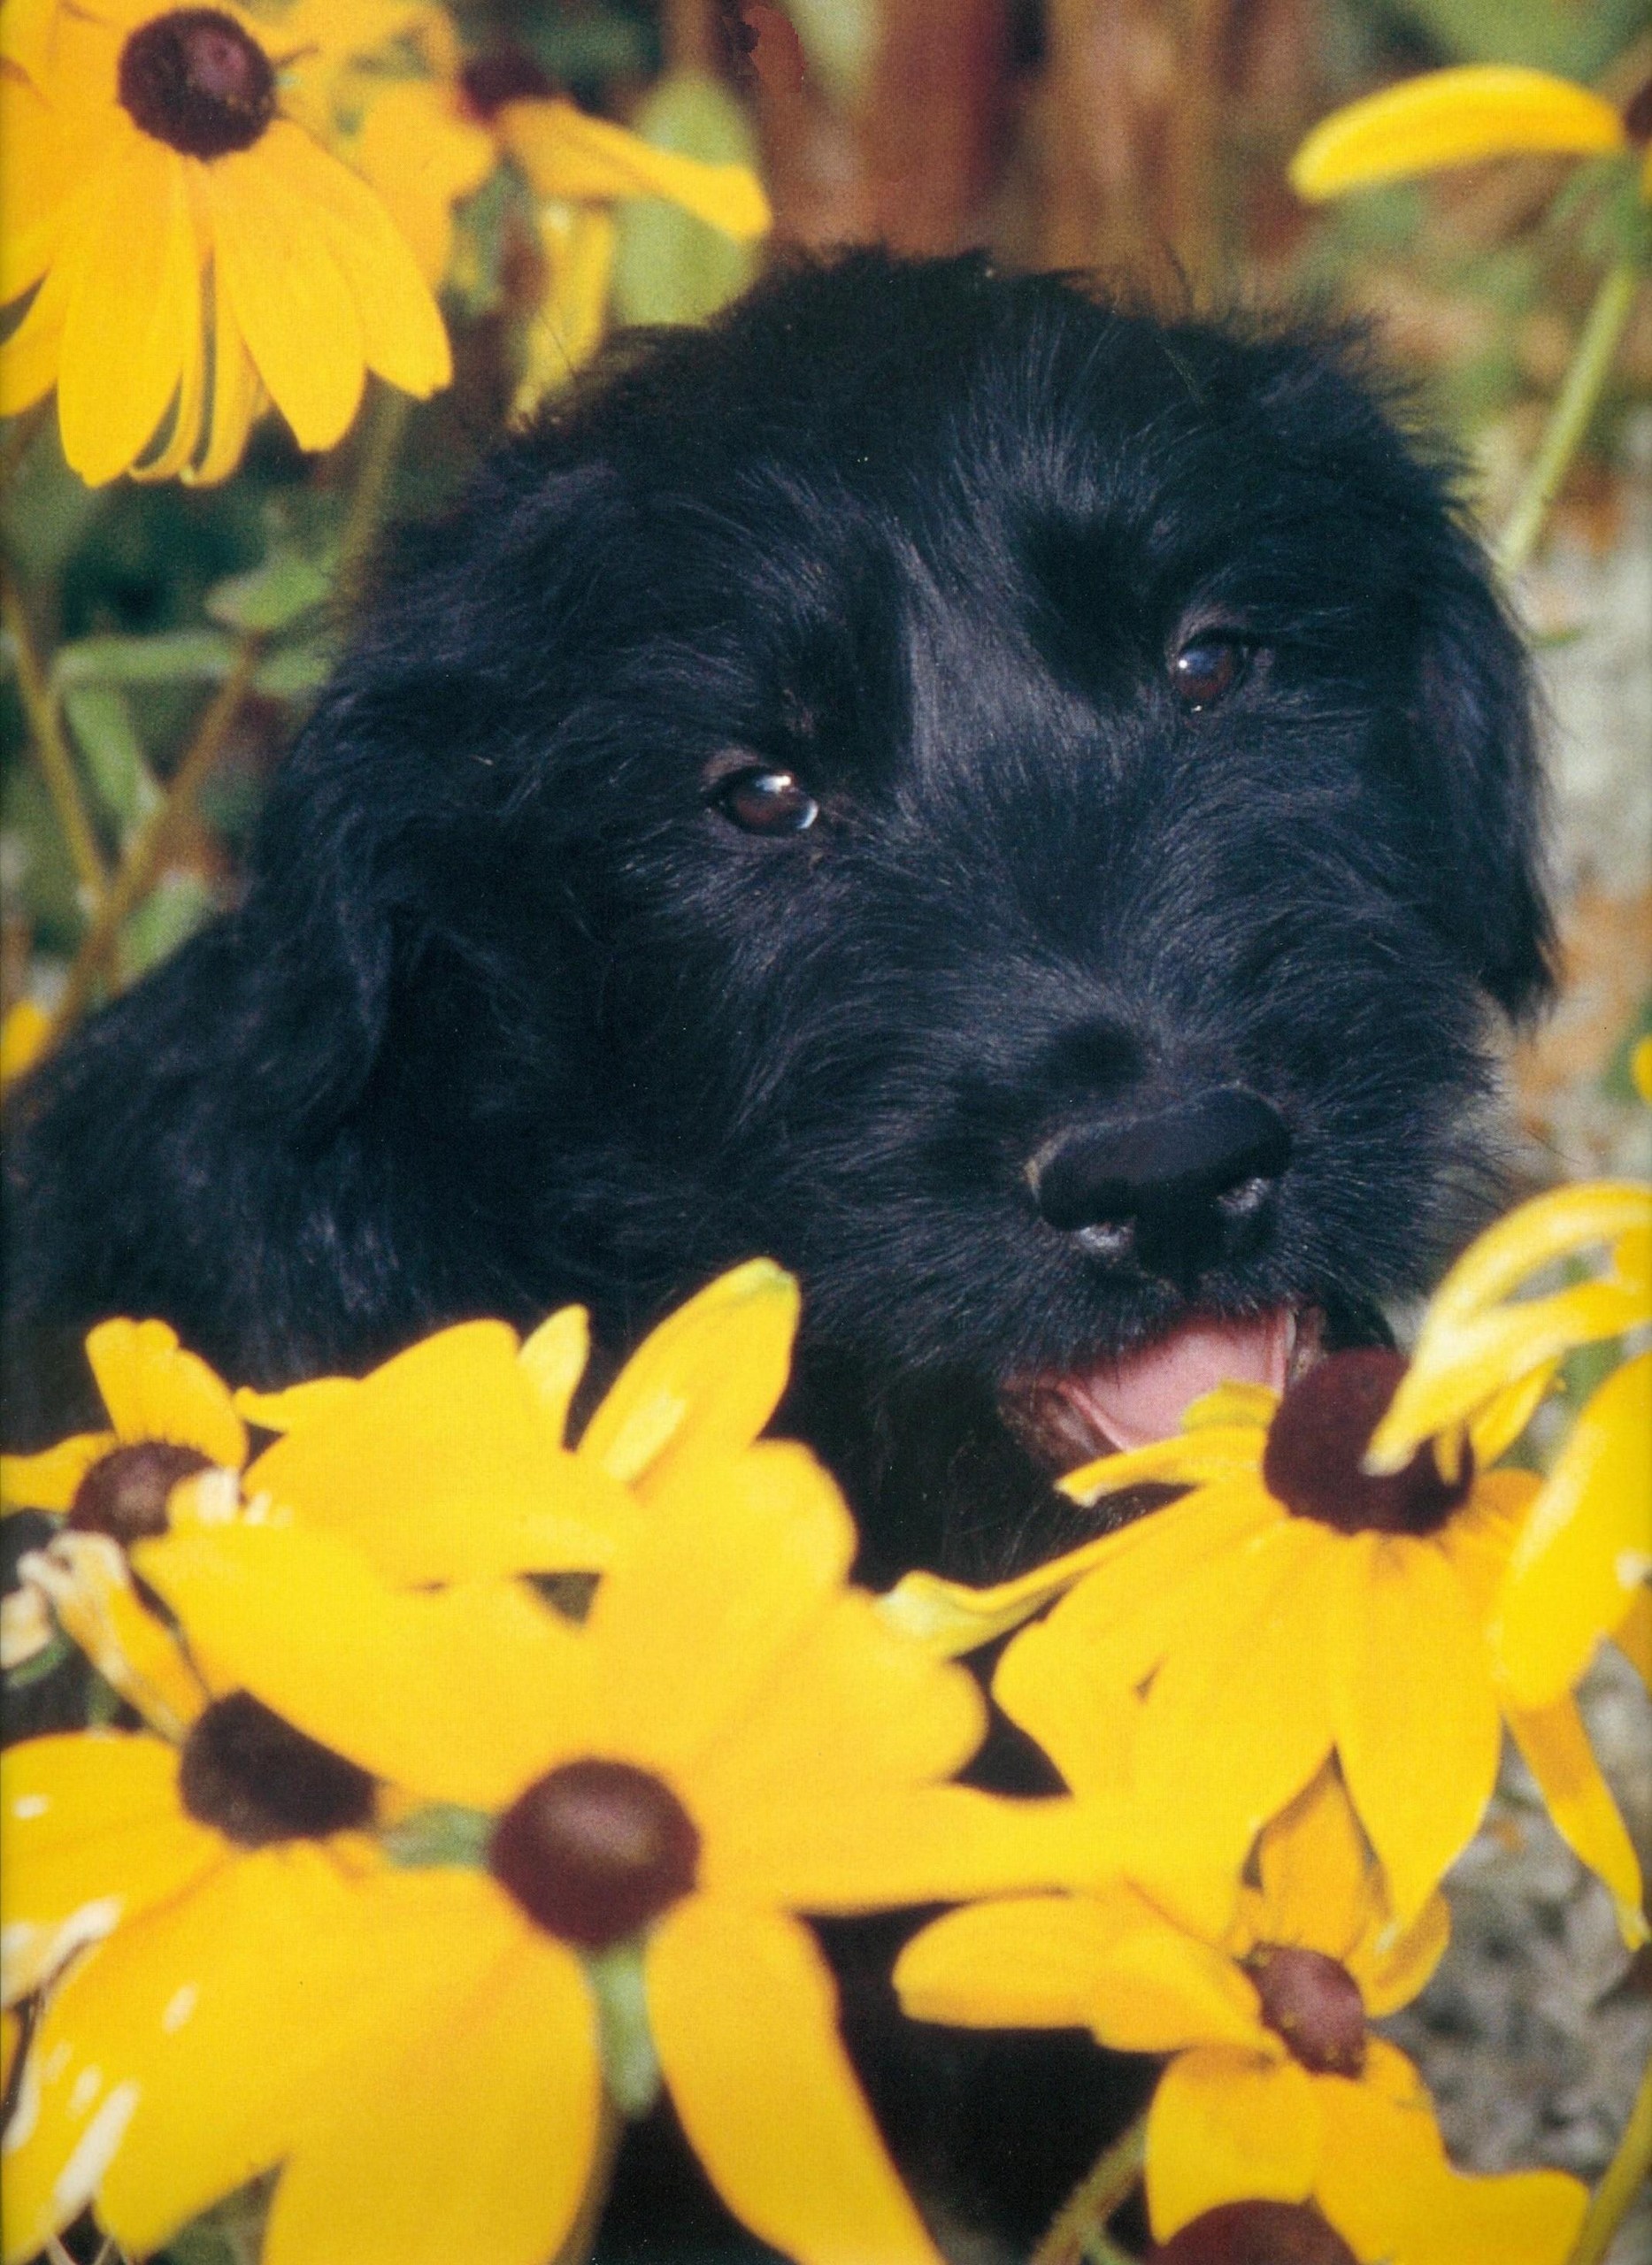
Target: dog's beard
point(1069, 1417)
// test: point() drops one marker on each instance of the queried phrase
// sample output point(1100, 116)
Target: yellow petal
point(1417, 1720)
point(133, 317)
point(1238, 1719)
point(48, 1481)
point(154, 1390)
point(1384, 2185)
point(469, 2136)
point(1392, 1976)
point(704, 1383)
point(86, 1578)
point(1063, 1692)
point(1109, 1962)
point(553, 1361)
point(1450, 117)
point(1557, 1753)
point(744, 2012)
point(1316, 1873)
point(1633, 1634)
point(289, 301)
point(1494, 1428)
point(1196, 1458)
point(465, 1694)
point(1227, 2126)
point(578, 243)
point(294, 1404)
point(30, 357)
point(1469, 1350)
point(402, 333)
point(1135, 1562)
point(1479, 1538)
point(566, 153)
point(1586, 1548)
point(871, 1851)
point(443, 1465)
point(172, 2065)
point(855, 1707)
point(34, 180)
point(237, 396)
point(421, 155)
point(183, 440)
point(94, 1833)
point(732, 1566)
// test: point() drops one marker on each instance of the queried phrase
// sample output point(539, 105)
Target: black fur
point(511, 1013)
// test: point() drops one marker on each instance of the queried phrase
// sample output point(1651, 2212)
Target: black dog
point(1017, 810)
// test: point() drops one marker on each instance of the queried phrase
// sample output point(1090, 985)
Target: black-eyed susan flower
point(1454, 117)
point(1577, 1571)
point(1293, 1604)
point(1279, 2090)
point(192, 250)
point(730, 1737)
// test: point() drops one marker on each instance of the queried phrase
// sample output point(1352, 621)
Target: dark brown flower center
point(1256, 2233)
point(1313, 2003)
point(195, 80)
point(594, 1850)
point(505, 73)
point(124, 1494)
point(255, 1779)
point(1319, 1436)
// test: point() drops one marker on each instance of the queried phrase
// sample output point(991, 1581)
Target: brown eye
point(1206, 669)
point(766, 802)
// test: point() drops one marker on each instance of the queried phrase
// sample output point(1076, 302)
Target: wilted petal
point(588, 160)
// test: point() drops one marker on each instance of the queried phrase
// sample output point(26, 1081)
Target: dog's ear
point(1487, 807)
point(385, 836)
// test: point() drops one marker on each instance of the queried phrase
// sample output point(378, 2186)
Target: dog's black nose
point(1174, 1191)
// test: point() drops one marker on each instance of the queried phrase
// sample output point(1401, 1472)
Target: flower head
point(1279, 2090)
point(1453, 117)
point(192, 249)
point(1295, 1603)
point(730, 1737)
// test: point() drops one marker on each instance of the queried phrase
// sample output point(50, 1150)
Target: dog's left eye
point(766, 802)
point(1206, 669)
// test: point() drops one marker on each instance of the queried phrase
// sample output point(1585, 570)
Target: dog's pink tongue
point(1141, 1399)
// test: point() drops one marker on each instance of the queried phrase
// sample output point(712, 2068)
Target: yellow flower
point(1279, 2090)
point(445, 1463)
point(1293, 1603)
point(729, 1738)
point(190, 248)
point(578, 167)
point(1452, 118)
point(24, 1031)
point(1579, 1570)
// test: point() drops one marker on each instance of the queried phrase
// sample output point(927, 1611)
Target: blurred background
point(152, 627)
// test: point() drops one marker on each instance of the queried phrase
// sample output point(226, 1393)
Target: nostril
point(1198, 1174)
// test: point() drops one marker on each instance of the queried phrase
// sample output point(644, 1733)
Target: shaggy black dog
point(1021, 810)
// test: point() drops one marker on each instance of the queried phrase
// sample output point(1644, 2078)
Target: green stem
point(1084, 2213)
point(52, 747)
point(382, 444)
point(141, 866)
point(1610, 2200)
point(582, 2237)
point(1569, 419)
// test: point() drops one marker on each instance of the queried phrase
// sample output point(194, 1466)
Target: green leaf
point(272, 596)
point(100, 717)
point(444, 1833)
point(46, 510)
point(295, 670)
point(668, 266)
point(178, 904)
point(45, 1662)
point(629, 2061)
point(171, 658)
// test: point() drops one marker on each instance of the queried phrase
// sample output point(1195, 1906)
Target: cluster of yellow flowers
point(483, 1778)
point(210, 210)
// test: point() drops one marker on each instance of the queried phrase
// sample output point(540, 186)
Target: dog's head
point(1017, 809)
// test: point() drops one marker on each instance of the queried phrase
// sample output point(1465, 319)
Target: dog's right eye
point(765, 802)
